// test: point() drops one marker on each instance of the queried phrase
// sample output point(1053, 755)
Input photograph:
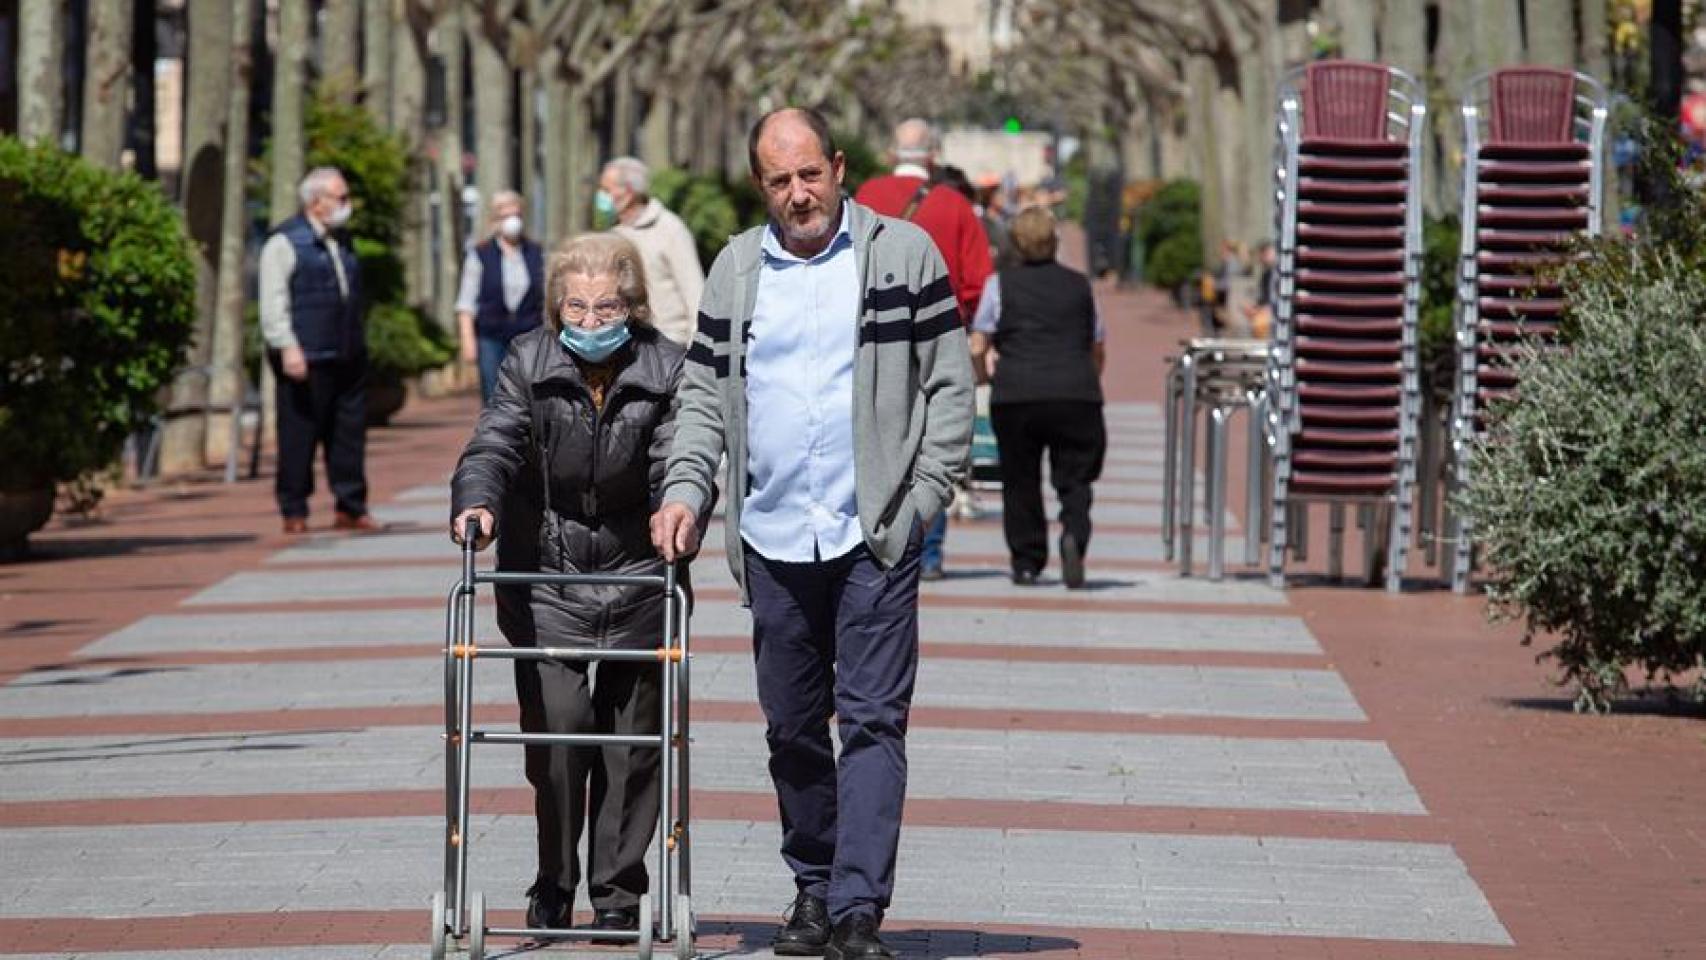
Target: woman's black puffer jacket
point(573, 487)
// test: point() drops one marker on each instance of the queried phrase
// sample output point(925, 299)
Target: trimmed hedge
point(97, 310)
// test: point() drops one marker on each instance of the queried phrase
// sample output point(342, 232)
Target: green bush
point(1588, 493)
point(1174, 261)
point(705, 204)
point(403, 342)
point(1169, 229)
point(1441, 254)
point(97, 309)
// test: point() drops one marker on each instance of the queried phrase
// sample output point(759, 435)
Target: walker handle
point(470, 533)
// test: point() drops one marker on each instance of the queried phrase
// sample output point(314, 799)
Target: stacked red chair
point(1531, 187)
point(1343, 377)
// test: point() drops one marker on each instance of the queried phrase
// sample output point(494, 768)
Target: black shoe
point(806, 931)
point(1024, 578)
point(549, 907)
point(932, 573)
point(856, 938)
point(627, 918)
point(1071, 561)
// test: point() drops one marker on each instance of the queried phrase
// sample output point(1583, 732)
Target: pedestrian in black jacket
point(1039, 338)
point(564, 468)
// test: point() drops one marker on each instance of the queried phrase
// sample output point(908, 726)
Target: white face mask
point(511, 227)
point(339, 216)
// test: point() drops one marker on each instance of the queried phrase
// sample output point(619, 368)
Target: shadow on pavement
point(1655, 702)
point(912, 944)
point(77, 548)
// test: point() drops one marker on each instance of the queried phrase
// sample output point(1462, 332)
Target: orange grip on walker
point(670, 654)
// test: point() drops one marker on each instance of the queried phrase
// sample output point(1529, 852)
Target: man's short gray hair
point(915, 141)
point(633, 173)
point(316, 183)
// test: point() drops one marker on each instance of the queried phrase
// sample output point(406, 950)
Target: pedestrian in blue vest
point(312, 317)
point(501, 296)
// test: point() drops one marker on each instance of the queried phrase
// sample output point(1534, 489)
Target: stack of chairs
point(1343, 380)
point(1532, 179)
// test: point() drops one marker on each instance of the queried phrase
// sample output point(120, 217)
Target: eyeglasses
point(605, 310)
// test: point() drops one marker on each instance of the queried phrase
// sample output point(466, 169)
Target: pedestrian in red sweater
point(911, 193)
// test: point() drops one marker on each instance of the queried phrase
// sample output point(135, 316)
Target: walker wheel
point(438, 929)
point(644, 945)
point(684, 928)
point(477, 927)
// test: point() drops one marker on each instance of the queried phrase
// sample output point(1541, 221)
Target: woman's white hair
point(316, 183)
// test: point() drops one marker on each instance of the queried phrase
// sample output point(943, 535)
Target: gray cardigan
point(912, 386)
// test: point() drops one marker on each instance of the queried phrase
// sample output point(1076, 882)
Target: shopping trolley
point(460, 913)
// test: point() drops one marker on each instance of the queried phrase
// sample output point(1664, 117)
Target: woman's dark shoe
point(549, 907)
point(805, 930)
point(1024, 578)
point(623, 919)
point(1071, 561)
point(855, 938)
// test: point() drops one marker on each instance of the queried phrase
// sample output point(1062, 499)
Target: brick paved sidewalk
point(220, 744)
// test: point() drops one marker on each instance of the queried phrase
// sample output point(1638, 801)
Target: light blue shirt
point(800, 504)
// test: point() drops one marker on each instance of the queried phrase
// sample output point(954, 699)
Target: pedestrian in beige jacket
point(674, 276)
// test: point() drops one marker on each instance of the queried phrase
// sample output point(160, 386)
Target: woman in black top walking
point(1038, 337)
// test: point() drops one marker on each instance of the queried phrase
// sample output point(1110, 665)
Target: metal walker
point(461, 914)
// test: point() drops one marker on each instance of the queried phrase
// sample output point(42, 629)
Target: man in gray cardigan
point(831, 367)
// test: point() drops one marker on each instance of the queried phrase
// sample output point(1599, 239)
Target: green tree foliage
point(1589, 489)
point(97, 308)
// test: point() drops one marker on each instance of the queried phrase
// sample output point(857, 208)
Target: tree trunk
point(581, 147)
point(528, 178)
point(288, 80)
point(407, 89)
point(106, 83)
point(1498, 34)
point(183, 442)
point(143, 52)
point(1259, 70)
point(1455, 61)
point(449, 38)
point(622, 112)
point(1202, 79)
point(340, 49)
point(380, 30)
point(225, 387)
point(1403, 36)
point(494, 114)
point(655, 129)
point(41, 51)
point(557, 144)
point(1595, 53)
point(1552, 33)
point(1353, 20)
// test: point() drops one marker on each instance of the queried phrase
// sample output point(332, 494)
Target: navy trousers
point(837, 637)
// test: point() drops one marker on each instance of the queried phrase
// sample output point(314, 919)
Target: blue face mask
point(604, 203)
point(594, 346)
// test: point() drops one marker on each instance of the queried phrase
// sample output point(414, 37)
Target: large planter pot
point(385, 396)
point(22, 512)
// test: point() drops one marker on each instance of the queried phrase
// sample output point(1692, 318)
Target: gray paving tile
point(1124, 881)
point(177, 633)
point(1118, 630)
point(983, 684)
point(1354, 776)
point(280, 585)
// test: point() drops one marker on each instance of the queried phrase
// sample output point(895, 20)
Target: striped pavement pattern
point(1153, 754)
